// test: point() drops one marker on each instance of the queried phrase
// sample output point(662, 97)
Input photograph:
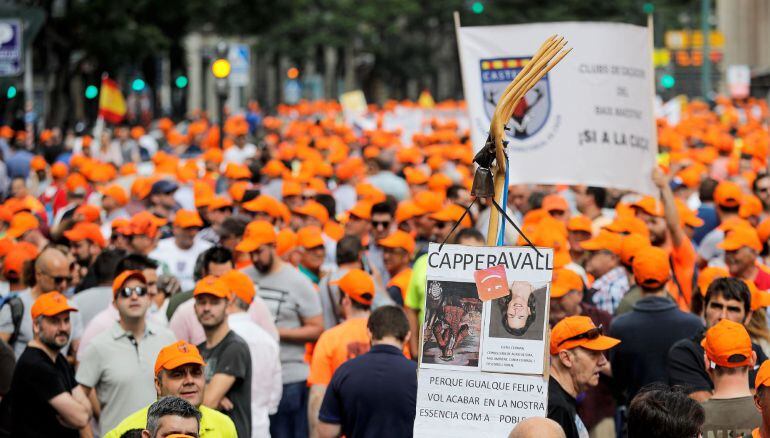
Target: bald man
point(52, 273)
point(537, 427)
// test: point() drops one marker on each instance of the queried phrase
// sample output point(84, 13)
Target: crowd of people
point(154, 284)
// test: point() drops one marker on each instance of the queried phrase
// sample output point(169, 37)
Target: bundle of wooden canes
point(548, 55)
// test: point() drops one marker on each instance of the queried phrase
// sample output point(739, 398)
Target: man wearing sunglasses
point(52, 273)
point(118, 362)
point(577, 359)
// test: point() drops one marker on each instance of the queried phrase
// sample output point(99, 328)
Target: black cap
point(163, 187)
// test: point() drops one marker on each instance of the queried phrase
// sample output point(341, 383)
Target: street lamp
point(220, 68)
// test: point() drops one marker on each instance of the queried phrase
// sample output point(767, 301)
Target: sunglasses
point(590, 335)
point(378, 224)
point(126, 292)
point(60, 278)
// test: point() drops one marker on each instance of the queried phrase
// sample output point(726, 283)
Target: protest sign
point(589, 121)
point(486, 315)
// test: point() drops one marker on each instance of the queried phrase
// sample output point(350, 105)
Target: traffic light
point(181, 81)
point(292, 73)
point(138, 85)
point(11, 93)
point(667, 81)
point(648, 8)
point(477, 7)
point(91, 92)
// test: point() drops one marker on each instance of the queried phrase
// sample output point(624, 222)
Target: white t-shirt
point(235, 154)
point(181, 262)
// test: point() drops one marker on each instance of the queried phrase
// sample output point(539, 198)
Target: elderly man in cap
point(298, 316)
point(651, 328)
point(345, 341)
point(179, 372)
point(728, 358)
point(180, 251)
point(577, 359)
point(45, 400)
point(118, 362)
point(742, 246)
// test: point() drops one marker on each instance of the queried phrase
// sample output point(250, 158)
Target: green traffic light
point(11, 93)
point(667, 81)
point(181, 81)
point(91, 92)
point(477, 7)
point(648, 8)
point(138, 84)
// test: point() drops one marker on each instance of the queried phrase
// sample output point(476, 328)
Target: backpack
point(17, 313)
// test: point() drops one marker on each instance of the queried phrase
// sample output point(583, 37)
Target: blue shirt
point(18, 164)
point(373, 395)
point(708, 213)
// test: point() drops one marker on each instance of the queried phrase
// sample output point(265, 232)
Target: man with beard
point(228, 377)
point(179, 372)
point(45, 399)
point(86, 242)
point(298, 316)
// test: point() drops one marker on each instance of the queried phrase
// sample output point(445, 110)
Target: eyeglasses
point(126, 292)
point(378, 224)
point(58, 279)
point(590, 334)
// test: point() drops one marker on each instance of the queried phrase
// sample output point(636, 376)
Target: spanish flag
point(112, 106)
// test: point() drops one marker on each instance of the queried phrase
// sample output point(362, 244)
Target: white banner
point(589, 121)
point(485, 330)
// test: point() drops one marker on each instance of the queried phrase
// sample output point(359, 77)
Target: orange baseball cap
point(177, 354)
point(580, 223)
point(728, 194)
point(123, 277)
point(219, 202)
point(740, 237)
point(59, 170)
point(16, 258)
point(212, 285)
point(750, 206)
point(257, 233)
point(429, 201)
point(759, 298)
point(90, 213)
point(439, 182)
point(38, 163)
point(605, 240)
point(564, 281)
point(237, 171)
point(733, 223)
point(240, 285)
point(188, 219)
point(285, 241)
point(579, 331)
point(290, 188)
point(763, 230)
point(358, 285)
point(726, 340)
point(21, 223)
point(362, 210)
point(399, 239)
point(146, 223)
point(415, 177)
point(708, 274)
point(628, 225)
point(115, 192)
point(554, 202)
point(50, 304)
point(452, 213)
point(763, 375)
point(86, 231)
point(651, 267)
point(649, 205)
point(630, 246)
point(687, 216)
point(315, 210)
point(310, 237)
point(213, 155)
point(407, 210)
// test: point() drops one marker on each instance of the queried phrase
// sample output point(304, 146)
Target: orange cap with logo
point(708, 274)
point(564, 281)
point(146, 223)
point(315, 210)
point(212, 285)
point(399, 239)
point(86, 231)
point(257, 233)
point(50, 304)
point(740, 237)
point(605, 240)
point(651, 267)
point(123, 277)
point(649, 205)
point(630, 246)
point(188, 219)
point(580, 223)
point(22, 223)
point(177, 354)
point(579, 331)
point(728, 194)
point(358, 285)
point(728, 344)
point(554, 202)
point(310, 237)
point(241, 285)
